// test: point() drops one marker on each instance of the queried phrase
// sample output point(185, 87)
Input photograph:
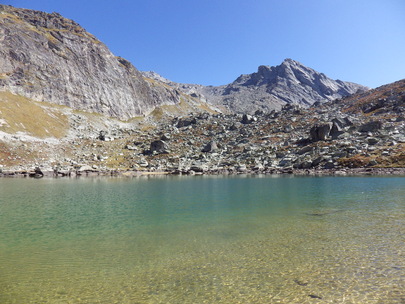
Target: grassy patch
point(20, 114)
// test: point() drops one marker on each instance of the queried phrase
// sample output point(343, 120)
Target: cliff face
point(47, 57)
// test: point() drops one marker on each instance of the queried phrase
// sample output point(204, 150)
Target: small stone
point(372, 140)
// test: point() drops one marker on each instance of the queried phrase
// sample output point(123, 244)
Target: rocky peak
point(271, 87)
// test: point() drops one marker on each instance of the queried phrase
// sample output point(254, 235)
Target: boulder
point(371, 126)
point(128, 147)
point(233, 127)
point(340, 122)
point(210, 147)
point(158, 146)
point(317, 161)
point(372, 140)
point(241, 168)
point(102, 135)
point(336, 130)
point(143, 163)
point(329, 165)
point(248, 119)
point(37, 173)
point(165, 137)
point(305, 149)
point(199, 167)
point(186, 122)
point(85, 168)
point(320, 132)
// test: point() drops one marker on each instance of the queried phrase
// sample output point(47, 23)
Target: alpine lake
point(203, 239)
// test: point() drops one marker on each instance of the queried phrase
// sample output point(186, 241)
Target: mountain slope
point(46, 57)
point(364, 130)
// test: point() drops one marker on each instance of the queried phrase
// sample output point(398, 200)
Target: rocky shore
point(342, 137)
point(294, 172)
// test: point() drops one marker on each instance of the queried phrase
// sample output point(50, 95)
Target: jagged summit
point(271, 87)
point(290, 74)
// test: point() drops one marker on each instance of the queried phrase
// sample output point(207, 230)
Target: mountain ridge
point(46, 57)
point(270, 88)
point(69, 106)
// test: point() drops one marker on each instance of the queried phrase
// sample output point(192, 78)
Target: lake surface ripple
point(203, 240)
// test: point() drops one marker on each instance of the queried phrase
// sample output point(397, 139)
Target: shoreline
point(37, 173)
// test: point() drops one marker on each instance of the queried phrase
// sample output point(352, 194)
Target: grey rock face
point(271, 88)
point(50, 58)
point(291, 82)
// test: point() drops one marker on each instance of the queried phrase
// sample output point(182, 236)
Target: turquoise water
point(203, 240)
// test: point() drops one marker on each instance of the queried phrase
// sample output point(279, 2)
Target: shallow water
point(203, 240)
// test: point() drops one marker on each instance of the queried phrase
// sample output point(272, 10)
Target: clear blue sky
point(212, 42)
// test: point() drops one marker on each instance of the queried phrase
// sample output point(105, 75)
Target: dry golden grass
point(20, 114)
point(396, 159)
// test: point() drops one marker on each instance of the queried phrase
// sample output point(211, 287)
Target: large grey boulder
point(248, 119)
point(320, 132)
point(371, 126)
point(158, 146)
point(336, 130)
point(185, 122)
